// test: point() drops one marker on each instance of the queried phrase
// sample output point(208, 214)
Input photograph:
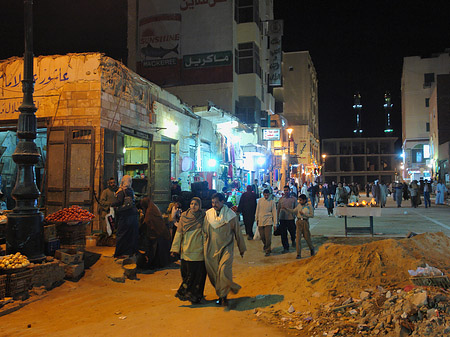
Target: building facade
point(418, 80)
point(440, 129)
point(96, 120)
point(221, 62)
point(360, 160)
point(299, 95)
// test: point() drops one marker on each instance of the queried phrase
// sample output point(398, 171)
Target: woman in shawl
point(154, 238)
point(127, 220)
point(188, 243)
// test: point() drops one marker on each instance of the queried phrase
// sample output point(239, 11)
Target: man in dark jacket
point(247, 206)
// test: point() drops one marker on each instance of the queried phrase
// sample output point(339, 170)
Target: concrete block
point(95, 86)
point(74, 271)
point(83, 103)
point(83, 86)
point(77, 95)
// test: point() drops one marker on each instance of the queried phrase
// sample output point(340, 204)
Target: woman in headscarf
point(127, 220)
point(188, 243)
point(154, 239)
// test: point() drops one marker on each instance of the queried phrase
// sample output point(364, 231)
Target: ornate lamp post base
point(25, 235)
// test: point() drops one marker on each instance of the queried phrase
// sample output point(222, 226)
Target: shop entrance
point(70, 163)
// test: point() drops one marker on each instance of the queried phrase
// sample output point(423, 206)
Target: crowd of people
point(204, 240)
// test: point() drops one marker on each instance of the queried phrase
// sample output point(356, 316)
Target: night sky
point(356, 46)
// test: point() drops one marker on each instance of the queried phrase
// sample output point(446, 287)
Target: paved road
point(394, 222)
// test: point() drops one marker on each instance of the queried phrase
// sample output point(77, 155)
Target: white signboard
point(275, 33)
point(269, 134)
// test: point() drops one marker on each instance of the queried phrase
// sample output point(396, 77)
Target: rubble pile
point(412, 311)
point(364, 289)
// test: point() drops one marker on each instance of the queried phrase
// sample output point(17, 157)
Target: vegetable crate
point(52, 246)
point(72, 234)
point(2, 286)
point(18, 283)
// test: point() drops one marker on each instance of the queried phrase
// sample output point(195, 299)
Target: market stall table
point(358, 211)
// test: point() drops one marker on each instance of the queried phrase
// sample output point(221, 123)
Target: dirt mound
point(346, 270)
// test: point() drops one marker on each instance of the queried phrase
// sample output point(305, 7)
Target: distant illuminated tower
point(357, 107)
point(388, 130)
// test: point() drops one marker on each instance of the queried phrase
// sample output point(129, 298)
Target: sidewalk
point(394, 222)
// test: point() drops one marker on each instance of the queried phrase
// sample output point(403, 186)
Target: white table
point(358, 211)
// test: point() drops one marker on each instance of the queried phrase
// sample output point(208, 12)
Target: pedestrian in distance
point(127, 233)
point(441, 189)
point(414, 192)
point(304, 212)
point(286, 219)
point(188, 245)
point(426, 193)
point(266, 218)
point(398, 191)
point(247, 207)
point(221, 228)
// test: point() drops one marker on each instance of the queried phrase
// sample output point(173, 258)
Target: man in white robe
point(221, 227)
point(441, 189)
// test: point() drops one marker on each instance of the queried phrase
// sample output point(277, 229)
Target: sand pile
point(346, 270)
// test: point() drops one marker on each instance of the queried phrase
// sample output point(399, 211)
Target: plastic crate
point(52, 246)
point(2, 286)
point(18, 283)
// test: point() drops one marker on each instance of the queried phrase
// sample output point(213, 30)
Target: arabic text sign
point(271, 134)
point(275, 31)
point(216, 59)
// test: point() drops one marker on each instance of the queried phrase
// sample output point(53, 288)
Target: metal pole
point(289, 159)
point(24, 229)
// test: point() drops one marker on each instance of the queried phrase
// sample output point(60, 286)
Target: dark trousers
point(248, 223)
point(426, 197)
point(285, 226)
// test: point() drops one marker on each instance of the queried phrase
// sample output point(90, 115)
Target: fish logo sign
point(152, 52)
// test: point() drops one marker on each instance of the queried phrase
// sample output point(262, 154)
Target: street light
point(24, 229)
point(289, 154)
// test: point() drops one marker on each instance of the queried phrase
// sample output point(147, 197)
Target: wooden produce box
point(69, 256)
point(18, 283)
point(2, 286)
point(49, 233)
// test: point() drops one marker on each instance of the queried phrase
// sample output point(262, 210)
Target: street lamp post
point(323, 167)
point(24, 230)
point(289, 155)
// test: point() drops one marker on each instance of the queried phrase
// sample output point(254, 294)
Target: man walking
point(221, 228)
point(303, 212)
point(266, 218)
point(287, 220)
point(106, 199)
point(255, 189)
point(247, 207)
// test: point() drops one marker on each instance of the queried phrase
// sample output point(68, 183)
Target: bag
point(109, 220)
point(277, 232)
point(257, 236)
point(128, 203)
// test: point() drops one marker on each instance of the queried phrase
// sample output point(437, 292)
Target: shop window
point(417, 155)
point(136, 158)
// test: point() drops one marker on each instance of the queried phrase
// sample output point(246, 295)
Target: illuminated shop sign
point(271, 134)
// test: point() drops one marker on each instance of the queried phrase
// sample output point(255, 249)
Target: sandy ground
point(97, 306)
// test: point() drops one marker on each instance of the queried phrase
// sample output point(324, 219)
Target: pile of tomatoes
point(73, 213)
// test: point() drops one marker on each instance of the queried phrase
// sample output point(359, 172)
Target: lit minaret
point(388, 130)
point(357, 107)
